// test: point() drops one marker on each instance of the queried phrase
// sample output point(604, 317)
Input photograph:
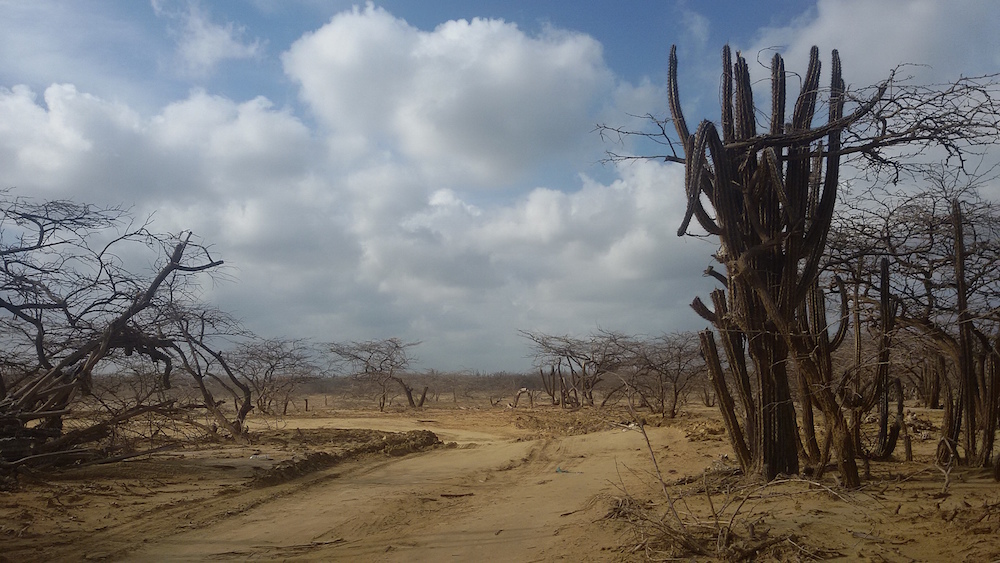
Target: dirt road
point(530, 485)
point(491, 495)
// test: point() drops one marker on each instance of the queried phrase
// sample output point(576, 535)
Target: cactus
point(773, 199)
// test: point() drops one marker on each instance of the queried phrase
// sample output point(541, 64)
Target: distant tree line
point(656, 373)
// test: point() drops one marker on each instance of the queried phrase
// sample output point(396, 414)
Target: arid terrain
point(525, 484)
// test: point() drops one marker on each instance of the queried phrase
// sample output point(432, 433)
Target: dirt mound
point(704, 430)
point(390, 444)
point(316, 437)
point(558, 422)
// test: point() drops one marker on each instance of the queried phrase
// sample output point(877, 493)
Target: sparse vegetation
point(771, 199)
point(870, 308)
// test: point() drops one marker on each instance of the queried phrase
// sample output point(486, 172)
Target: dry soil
point(535, 484)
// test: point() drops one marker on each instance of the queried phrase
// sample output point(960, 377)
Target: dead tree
point(381, 363)
point(944, 244)
point(272, 369)
point(73, 304)
point(199, 335)
point(587, 361)
point(662, 369)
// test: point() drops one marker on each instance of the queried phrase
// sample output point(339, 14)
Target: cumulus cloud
point(439, 184)
point(875, 37)
point(201, 43)
point(478, 100)
point(62, 140)
point(406, 213)
point(554, 256)
point(243, 147)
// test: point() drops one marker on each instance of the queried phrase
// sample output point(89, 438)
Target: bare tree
point(273, 368)
point(382, 363)
point(654, 372)
point(672, 363)
point(576, 365)
point(201, 336)
point(73, 303)
point(943, 242)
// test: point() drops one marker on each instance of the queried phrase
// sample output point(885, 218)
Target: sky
point(422, 170)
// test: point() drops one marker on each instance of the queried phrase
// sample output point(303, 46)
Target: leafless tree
point(672, 363)
point(576, 365)
point(73, 302)
point(382, 363)
point(201, 337)
point(654, 372)
point(943, 243)
point(273, 368)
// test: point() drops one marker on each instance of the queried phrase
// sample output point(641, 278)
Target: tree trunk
point(991, 402)
point(884, 387)
point(937, 372)
point(775, 449)
point(726, 405)
point(810, 445)
point(966, 372)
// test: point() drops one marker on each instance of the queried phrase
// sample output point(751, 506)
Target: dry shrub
point(720, 514)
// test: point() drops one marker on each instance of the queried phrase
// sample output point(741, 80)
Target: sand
point(535, 484)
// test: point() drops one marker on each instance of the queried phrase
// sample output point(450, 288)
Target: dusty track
point(510, 486)
point(527, 500)
point(530, 485)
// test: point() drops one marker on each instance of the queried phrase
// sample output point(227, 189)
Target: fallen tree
point(73, 305)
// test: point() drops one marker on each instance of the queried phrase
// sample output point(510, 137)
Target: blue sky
point(133, 41)
point(424, 170)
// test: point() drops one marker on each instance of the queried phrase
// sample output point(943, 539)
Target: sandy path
point(511, 486)
point(491, 497)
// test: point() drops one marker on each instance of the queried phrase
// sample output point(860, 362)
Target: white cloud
point(477, 100)
point(696, 26)
point(367, 246)
point(442, 186)
point(875, 37)
point(203, 44)
point(555, 254)
point(65, 139)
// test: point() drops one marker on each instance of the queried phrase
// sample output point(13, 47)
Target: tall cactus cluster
point(769, 197)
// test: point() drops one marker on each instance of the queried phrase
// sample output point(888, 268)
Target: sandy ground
point(526, 485)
